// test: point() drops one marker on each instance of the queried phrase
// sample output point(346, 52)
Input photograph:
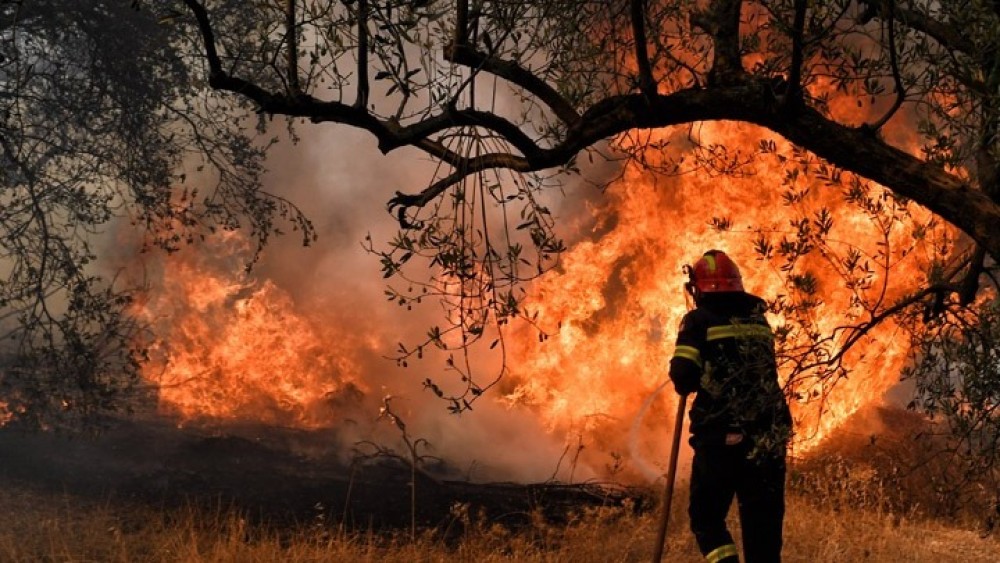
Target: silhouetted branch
point(798, 48)
point(361, 102)
point(647, 85)
point(292, 48)
point(897, 79)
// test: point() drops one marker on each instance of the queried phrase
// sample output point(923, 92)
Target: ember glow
point(5, 414)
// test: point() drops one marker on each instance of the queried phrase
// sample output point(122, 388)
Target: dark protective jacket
point(725, 353)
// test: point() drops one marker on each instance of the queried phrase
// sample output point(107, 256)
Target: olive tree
point(922, 75)
point(505, 96)
point(921, 80)
point(90, 136)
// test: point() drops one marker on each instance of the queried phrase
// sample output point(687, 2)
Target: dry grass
point(824, 524)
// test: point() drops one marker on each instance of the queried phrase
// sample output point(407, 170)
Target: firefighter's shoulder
point(693, 321)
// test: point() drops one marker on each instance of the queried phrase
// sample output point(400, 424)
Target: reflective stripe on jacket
point(725, 353)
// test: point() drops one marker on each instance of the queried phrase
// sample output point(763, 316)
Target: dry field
point(42, 525)
point(154, 493)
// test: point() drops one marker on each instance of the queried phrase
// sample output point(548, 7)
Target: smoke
point(307, 336)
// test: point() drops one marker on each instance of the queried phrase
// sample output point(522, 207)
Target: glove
point(685, 375)
point(683, 389)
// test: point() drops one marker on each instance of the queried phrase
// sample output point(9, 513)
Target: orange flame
point(230, 348)
point(613, 307)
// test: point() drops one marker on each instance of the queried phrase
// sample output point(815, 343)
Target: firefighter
point(740, 422)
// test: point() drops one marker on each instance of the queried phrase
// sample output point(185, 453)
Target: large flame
point(229, 348)
point(613, 308)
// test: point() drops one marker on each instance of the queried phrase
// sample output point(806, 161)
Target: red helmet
point(715, 272)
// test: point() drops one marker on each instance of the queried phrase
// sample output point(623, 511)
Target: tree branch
point(722, 22)
point(291, 33)
point(732, 95)
point(968, 286)
point(462, 118)
point(894, 65)
point(389, 134)
point(858, 331)
point(947, 36)
point(517, 75)
point(461, 24)
point(363, 85)
point(752, 101)
point(798, 48)
point(646, 83)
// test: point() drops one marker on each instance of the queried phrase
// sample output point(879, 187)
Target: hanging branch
point(731, 94)
point(509, 70)
point(798, 48)
point(949, 36)
point(291, 33)
point(363, 87)
point(646, 83)
point(461, 24)
point(989, 183)
point(894, 65)
point(968, 286)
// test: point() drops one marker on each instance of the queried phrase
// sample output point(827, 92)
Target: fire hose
point(675, 444)
point(668, 493)
point(649, 471)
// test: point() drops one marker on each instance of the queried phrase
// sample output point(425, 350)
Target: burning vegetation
point(831, 262)
point(845, 153)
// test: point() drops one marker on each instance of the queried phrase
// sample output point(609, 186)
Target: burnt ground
point(281, 477)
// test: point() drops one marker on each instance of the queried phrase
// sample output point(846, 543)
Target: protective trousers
point(719, 473)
